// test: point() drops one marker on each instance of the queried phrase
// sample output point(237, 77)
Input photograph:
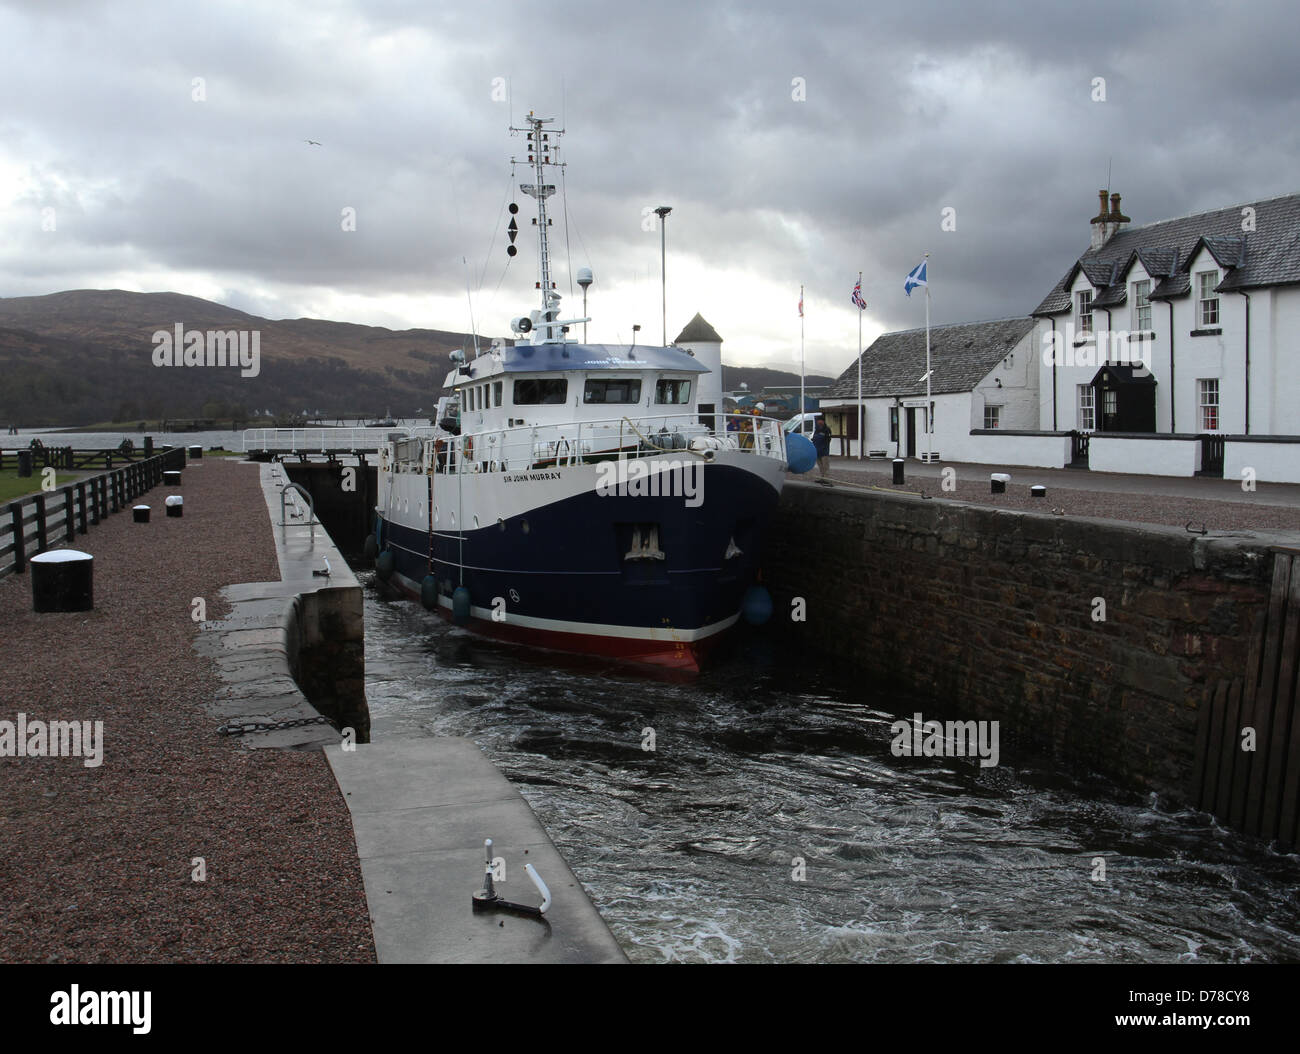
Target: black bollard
point(175, 506)
point(1038, 491)
point(196, 453)
point(24, 464)
point(140, 513)
point(998, 482)
point(171, 477)
point(63, 580)
point(898, 471)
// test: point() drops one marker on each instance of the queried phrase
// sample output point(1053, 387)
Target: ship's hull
point(545, 553)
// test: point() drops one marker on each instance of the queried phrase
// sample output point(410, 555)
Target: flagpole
point(803, 404)
point(929, 416)
point(862, 439)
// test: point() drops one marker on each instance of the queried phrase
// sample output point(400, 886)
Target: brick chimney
point(1101, 222)
point(1118, 221)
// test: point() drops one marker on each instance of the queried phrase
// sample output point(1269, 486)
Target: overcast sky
point(161, 182)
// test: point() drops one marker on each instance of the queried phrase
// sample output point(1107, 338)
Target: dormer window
point(1142, 306)
point(1084, 297)
point(1207, 311)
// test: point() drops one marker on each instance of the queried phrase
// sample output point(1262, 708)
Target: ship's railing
point(324, 440)
point(585, 442)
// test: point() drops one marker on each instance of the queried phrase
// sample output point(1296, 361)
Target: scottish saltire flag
point(917, 277)
point(858, 302)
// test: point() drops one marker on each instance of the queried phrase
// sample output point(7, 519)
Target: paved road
point(1286, 495)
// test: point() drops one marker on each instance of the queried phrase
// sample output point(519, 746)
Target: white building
point(702, 341)
point(985, 375)
point(1186, 330)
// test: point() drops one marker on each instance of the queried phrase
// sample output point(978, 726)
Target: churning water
point(691, 851)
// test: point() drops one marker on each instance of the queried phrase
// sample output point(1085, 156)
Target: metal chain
point(243, 728)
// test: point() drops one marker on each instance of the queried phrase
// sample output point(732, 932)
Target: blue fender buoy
point(385, 564)
point(757, 604)
point(800, 454)
point(429, 592)
point(460, 605)
point(370, 549)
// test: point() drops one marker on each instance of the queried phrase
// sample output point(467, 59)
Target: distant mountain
point(760, 377)
point(87, 355)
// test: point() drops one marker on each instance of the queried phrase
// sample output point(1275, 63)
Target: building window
point(537, 391)
point(992, 416)
point(1087, 408)
point(1142, 306)
point(1110, 402)
point(1207, 299)
point(1208, 400)
point(1085, 310)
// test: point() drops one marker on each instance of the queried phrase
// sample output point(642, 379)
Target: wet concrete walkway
point(421, 808)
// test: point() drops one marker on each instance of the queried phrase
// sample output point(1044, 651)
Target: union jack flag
point(858, 302)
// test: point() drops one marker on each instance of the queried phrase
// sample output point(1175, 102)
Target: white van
point(804, 424)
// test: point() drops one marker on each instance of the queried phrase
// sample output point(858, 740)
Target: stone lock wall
point(990, 614)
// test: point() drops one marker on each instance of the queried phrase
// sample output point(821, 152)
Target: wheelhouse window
point(539, 391)
point(1087, 408)
point(992, 416)
point(612, 390)
point(496, 393)
point(1208, 400)
point(1142, 306)
point(672, 392)
point(1207, 298)
point(1084, 297)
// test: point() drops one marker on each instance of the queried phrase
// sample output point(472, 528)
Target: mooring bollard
point(171, 477)
point(175, 505)
point(898, 471)
point(998, 482)
point(196, 453)
point(63, 580)
point(1038, 491)
point(140, 513)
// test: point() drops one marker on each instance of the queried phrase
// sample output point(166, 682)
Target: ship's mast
point(540, 151)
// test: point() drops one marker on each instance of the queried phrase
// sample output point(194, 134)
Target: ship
point(578, 496)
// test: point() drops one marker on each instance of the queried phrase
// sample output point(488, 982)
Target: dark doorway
point(911, 431)
point(1125, 399)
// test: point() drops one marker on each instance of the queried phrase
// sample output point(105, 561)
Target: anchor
point(488, 899)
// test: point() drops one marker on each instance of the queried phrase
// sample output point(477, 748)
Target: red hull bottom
point(670, 657)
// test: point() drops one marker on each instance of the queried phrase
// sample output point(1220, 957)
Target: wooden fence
point(1248, 742)
point(38, 522)
point(65, 457)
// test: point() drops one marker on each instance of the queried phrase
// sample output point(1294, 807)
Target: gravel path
point(96, 863)
point(1215, 514)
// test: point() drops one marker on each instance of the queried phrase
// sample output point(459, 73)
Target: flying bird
point(311, 142)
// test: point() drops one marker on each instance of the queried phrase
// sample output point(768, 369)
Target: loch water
point(691, 851)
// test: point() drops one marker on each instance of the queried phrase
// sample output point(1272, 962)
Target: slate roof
point(961, 356)
point(1268, 255)
point(698, 331)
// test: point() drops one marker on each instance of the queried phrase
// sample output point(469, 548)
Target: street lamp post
point(662, 212)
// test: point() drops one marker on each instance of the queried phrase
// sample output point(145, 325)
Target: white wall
point(1272, 462)
point(1146, 457)
point(1030, 451)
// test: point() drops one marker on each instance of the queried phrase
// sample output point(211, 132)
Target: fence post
point(42, 538)
point(69, 523)
point(20, 550)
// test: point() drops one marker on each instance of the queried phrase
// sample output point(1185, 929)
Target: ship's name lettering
point(528, 477)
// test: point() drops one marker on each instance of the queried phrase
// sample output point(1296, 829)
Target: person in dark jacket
point(822, 444)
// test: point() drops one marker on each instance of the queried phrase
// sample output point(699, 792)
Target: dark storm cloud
point(910, 109)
